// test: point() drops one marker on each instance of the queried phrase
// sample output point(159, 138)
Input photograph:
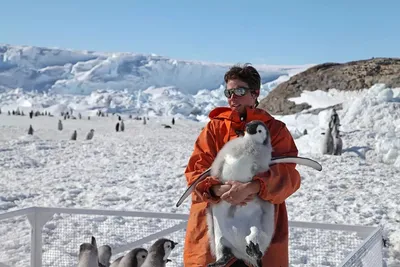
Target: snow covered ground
point(142, 169)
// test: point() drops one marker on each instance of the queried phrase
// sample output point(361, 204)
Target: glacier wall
point(83, 72)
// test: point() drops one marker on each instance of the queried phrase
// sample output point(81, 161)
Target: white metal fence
point(40, 236)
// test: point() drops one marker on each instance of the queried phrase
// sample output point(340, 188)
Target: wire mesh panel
point(15, 242)
point(310, 244)
point(369, 254)
point(320, 247)
point(64, 233)
point(176, 256)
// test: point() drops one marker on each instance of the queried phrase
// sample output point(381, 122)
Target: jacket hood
point(220, 113)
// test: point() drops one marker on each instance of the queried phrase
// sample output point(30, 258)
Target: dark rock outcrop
point(351, 76)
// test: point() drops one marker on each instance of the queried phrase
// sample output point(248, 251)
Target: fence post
point(37, 220)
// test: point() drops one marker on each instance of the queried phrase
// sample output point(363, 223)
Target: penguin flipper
point(298, 160)
point(190, 189)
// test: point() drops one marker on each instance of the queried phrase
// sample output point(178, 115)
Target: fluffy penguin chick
point(337, 141)
point(88, 254)
point(242, 231)
point(105, 255)
point(159, 252)
point(327, 142)
point(90, 134)
point(74, 135)
point(134, 258)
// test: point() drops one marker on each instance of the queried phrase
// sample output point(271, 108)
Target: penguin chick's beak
point(168, 260)
point(174, 244)
point(93, 241)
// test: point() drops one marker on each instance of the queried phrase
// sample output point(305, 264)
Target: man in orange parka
point(282, 180)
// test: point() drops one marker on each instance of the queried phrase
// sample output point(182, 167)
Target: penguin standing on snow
point(159, 252)
point(327, 141)
point(105, 255)
point(60, 126)
point(337, 143)
point(134, 258)
point(89, 136)
point(30, 130)
point(117, 127)
point(74, 135)
point(88, 254)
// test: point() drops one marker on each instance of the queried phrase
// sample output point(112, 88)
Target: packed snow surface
point(142, 169)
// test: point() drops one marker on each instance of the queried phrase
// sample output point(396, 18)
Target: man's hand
point(220, 189)
point(240, 193)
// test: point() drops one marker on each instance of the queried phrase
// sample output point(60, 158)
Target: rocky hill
point(349, 76)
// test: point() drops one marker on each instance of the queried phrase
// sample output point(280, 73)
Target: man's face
point(239, 103)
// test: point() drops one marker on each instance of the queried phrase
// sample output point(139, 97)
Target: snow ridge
point(82, 72)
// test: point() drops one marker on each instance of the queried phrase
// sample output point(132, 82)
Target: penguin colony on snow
point(156, 256)
point(249, 247)
point(119, 127)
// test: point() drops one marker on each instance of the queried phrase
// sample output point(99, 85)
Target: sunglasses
point(240, 91)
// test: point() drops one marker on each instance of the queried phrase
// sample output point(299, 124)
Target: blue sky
point(270, 32)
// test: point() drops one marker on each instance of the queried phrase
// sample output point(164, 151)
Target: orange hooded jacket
point(281, 181)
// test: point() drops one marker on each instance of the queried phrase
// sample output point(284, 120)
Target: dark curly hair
point(246, 73)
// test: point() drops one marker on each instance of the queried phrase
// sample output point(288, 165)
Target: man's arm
point(201, 159)
point(282, 179)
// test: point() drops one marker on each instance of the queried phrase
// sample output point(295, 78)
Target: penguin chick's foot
point(253, 250)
